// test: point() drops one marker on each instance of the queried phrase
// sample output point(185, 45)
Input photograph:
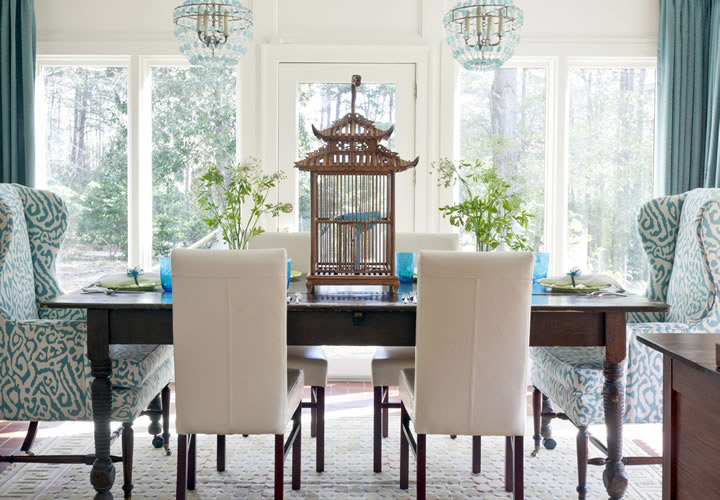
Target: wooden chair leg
point(154, 413)
point(377, 429)
point(165, 396)
point(279, 459)
point(180, 489)
point(421, 467)
point(127, 456)
point(29, 437)
point(518, 484)
point(192, 462)
point(313, 413)
point(297, 449)
point(508, 464)
point(385, 412)
point(221, 453)
point(583, 438)
point(320, 440)
point(476, 454)
point(537, 413)
point(404, 449)
point(546, 429)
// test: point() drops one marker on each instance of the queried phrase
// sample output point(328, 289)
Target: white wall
point(103, 25)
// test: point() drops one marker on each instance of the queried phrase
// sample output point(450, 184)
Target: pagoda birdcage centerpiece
point(352, 203)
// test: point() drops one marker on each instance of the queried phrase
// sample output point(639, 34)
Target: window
point(83, 138)
point(502, 117)
point(193, 125)
point(610, 168)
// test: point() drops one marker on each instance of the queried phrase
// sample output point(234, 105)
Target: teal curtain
point(17, 91)
point(712, 155)
point(688, 94)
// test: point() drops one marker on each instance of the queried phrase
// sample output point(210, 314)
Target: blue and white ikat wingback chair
point(44, 369)
point(681, 238)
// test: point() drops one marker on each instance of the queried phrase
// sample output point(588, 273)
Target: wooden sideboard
point(691, 414)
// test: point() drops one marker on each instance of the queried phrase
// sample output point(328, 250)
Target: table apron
point(361, 328)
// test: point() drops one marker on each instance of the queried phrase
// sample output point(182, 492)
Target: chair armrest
point(645, 317)
point(49, 330)
point(44, 370)
point(53, 313)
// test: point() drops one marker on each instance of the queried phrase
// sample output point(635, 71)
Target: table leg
point(614, 476)
point(102, 475)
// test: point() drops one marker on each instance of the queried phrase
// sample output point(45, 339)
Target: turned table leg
point(102, 475)
point(614, 476)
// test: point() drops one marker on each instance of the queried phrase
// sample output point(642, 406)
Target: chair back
point(691, 290)
point(17, 285)
point(417, 242)
point(297, 246)
point(229, 335)
point(473, 330)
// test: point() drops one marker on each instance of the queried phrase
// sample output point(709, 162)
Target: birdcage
point(352, 203)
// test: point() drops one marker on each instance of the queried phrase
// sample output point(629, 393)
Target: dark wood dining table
point(358, 316)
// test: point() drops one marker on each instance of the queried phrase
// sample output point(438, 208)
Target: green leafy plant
point(487, 207)
point(234, 200)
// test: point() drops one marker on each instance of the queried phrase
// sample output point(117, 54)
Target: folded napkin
point(122, 280)
point(583, 281)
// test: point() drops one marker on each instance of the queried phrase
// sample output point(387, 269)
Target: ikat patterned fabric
point(44, 370)
point(681, 238)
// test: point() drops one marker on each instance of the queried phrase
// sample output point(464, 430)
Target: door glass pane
point(193, 125)
point(320, 104)
point(501, 117)
point(85, 125)
point(610, 169)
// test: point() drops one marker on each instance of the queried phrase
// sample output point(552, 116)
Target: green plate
point(142, 287)
point(121, 281)
point(571, 289)
point(295, 275)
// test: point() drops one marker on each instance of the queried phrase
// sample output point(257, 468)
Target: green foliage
point(225, 196)
point(193, 118)
point(489, 209)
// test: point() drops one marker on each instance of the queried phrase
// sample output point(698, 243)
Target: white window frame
point(139, 142)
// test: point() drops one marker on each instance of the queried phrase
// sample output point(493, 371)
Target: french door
point(319, 94)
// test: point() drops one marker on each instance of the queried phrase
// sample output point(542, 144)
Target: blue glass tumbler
point(540, 269)
point(405, 266)
point(288, 272)
point(165, 274)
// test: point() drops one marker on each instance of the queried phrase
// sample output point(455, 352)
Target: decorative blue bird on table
point(370, 216)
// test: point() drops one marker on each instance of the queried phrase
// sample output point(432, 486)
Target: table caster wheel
point(158, 442)
point(549, 443)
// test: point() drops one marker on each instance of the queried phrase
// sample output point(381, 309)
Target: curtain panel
point(17, 91)
point(688, 95)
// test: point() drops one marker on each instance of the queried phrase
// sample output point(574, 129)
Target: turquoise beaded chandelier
point(483, 34)
point(213, 33)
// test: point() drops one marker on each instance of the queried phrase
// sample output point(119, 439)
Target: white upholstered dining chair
point(310, 359)
point(230, 339)
point(470, 374)
point(389, 360)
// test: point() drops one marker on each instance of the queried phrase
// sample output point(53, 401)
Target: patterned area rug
point(348, 474)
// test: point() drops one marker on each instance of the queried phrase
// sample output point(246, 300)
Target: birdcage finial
point(356, 81)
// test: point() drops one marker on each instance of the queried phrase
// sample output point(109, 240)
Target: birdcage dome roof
point(353, 126)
